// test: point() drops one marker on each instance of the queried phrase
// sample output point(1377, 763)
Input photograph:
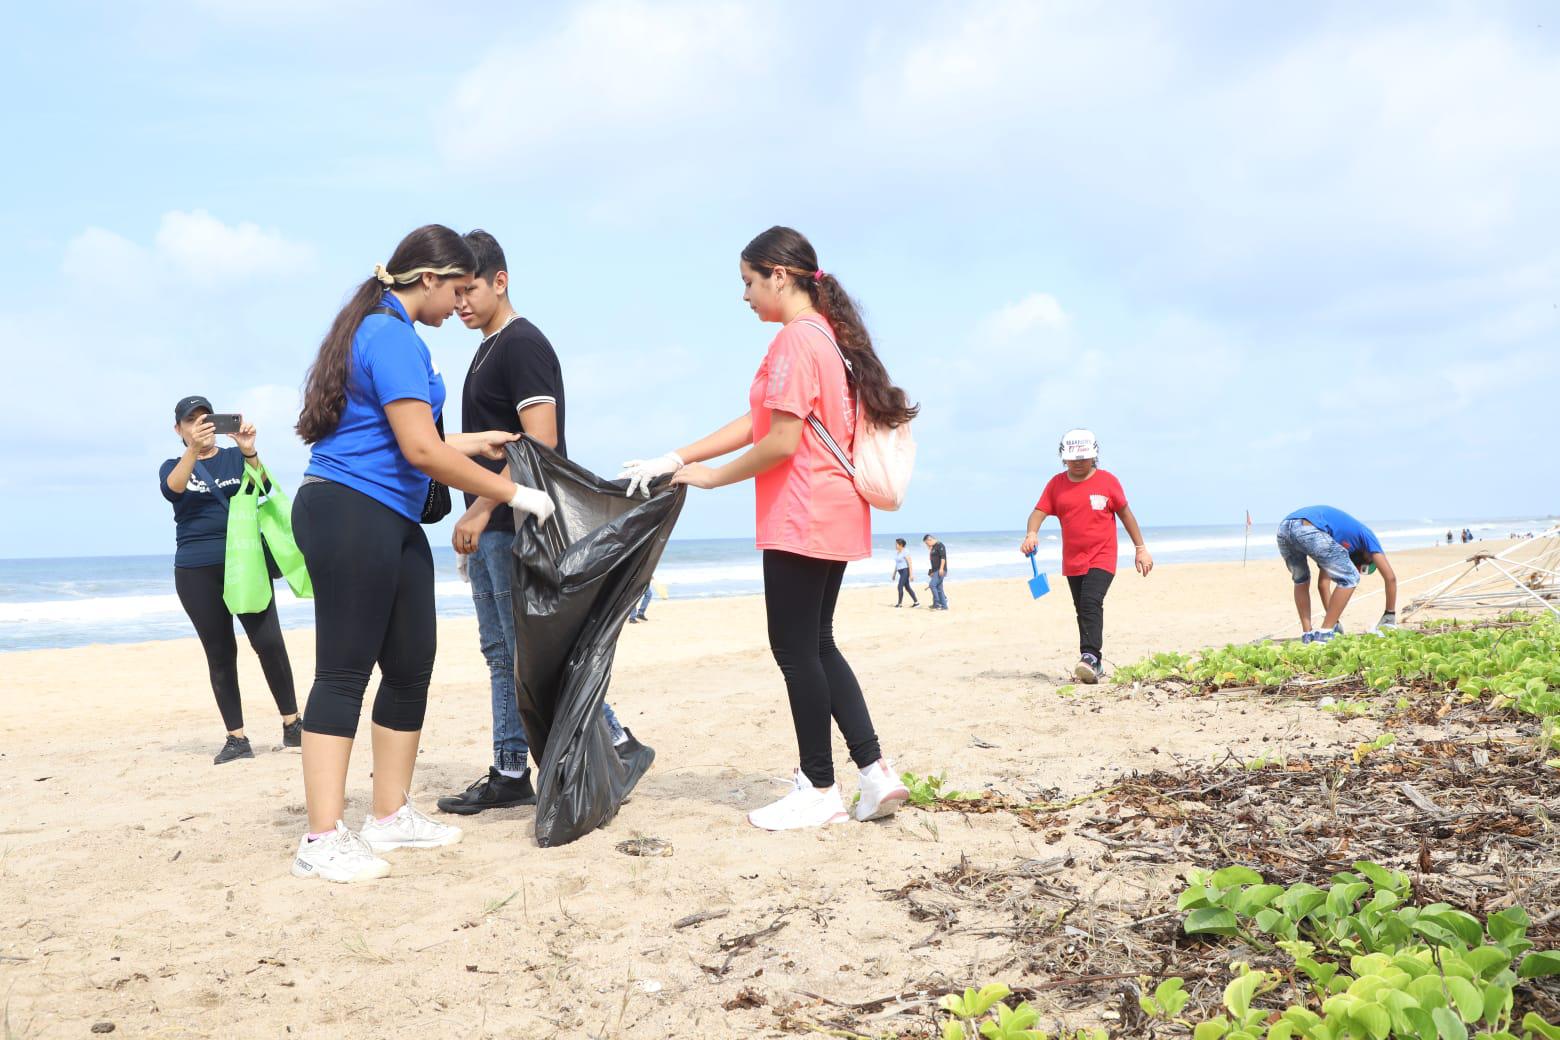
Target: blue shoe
point(1324, 637)
point(1308, 637)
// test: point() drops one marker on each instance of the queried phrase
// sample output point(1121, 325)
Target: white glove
point(536, 503)
point(641, 473)
point(460, 567)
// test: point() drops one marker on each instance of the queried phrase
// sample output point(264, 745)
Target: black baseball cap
point(188, 406)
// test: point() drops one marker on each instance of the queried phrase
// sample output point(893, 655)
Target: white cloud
point(192, 247)
point(1035, 311)
point(617, 73)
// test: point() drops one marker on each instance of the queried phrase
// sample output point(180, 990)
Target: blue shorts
point(1299, 542)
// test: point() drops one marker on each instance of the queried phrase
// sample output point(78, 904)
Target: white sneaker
point(408, 829)
point(339, 856)
point(805, 806)
point(881, 793)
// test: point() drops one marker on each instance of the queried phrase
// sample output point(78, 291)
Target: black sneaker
point(636, 758)
point(236, 747)
point(292, 733)
point(494, 791)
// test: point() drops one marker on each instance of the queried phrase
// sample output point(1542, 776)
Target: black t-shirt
point(202, 520)
point(939, 557)
point(513, 370)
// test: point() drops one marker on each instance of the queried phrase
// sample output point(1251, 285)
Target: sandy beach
point(147, 888)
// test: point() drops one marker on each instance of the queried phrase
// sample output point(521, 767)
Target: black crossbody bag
point(437, 505)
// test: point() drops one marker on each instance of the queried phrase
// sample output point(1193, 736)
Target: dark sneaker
point(292, 733)
point(1088, 670)
point(636, 758)
point(494, 791)
point(236, 747)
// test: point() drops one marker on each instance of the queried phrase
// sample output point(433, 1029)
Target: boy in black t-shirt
point(516, 384)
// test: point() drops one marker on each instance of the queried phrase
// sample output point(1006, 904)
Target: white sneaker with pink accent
point(804, 806)
point(881, 793)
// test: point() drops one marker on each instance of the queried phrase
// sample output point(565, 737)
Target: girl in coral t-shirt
point(1087, 500)
point(811, 521)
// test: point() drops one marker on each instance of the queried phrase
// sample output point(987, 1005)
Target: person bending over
point(1342, 547)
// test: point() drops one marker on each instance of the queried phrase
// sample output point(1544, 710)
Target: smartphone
point(224, 422)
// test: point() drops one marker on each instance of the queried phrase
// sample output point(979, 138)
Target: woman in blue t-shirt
point(370, 410)
point(200, 518)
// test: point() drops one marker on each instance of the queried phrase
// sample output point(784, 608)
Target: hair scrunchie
point(385, 278)
point(819, 275)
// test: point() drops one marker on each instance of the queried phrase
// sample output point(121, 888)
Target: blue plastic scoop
point(1038, 586)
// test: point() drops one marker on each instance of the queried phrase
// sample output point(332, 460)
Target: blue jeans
point(1299, 542)
point(939, 598)
point(644, 602)
point(491, 569)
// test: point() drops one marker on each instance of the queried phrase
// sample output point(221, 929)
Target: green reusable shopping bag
point(246, 585)
point(276, 529)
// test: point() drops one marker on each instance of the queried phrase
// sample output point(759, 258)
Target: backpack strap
point(812, 419)
point(205, 474)
point(398, 316)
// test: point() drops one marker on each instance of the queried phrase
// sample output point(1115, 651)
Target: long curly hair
point(431, 249)
point(781, 247)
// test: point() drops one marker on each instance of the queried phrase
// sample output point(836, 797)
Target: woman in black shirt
point(200, 513)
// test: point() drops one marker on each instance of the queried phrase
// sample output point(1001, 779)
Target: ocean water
point(48, 603)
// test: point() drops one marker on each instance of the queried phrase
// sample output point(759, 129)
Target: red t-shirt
point(1087, 510)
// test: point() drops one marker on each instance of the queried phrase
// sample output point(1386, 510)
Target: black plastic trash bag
point(575, 579)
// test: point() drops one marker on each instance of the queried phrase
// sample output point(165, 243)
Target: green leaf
point(1213, 1029)
point(1486, 960)
point(1281, 1030)
point(1230, 877)
point(1465, 926)
point(1497, 1000)
point(1238, 994)
point(1535, 965)
point(1508, 924)
point(952, 1030)
point(1468, 998)
point(1210, 920)
point(1380, 876)
point(1374, 1019)
point(1532, 1022)
point(1256, 897)
point(1423, 1025)
point(1448, 1025)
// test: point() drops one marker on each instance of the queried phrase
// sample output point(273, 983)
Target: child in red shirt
point(1087, 500)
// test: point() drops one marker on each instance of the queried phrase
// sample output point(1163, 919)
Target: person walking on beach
point(515, 385)
point(1087, 501)
point(811, 520)
point(937, 572)
point(1342, 547)
point(371, 412)
point(902, 574)
point(198, 484)
point(638, 613)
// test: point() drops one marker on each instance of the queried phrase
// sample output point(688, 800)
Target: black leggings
point(799, 597)
point(904, 586)
point(373, 604)
point(1088, 593)
point(200, 591)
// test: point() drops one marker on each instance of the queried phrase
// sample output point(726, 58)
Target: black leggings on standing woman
point(799, 597)
point(200, 591)
point(373, 604)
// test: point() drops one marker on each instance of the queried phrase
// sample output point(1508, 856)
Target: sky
point(1273, 255)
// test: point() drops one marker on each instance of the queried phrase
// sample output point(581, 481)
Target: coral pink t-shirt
point(808, 504)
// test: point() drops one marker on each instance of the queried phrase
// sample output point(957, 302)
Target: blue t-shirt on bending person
point(200, 518)
point(1344, 529)
point(390, 362)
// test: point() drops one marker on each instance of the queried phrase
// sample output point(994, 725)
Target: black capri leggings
point(799, 597)
point(373, 604)
point(200, 592)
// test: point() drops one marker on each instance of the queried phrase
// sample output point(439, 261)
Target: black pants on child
point(200, 592)
point(373, 604)
point(904, 587)
point(799, 597)
point(1088, 593)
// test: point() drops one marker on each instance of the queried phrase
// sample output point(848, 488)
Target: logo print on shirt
point(777, 376)
point(1098, 501)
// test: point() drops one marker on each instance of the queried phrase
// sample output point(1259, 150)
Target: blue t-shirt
point(389, 363)
point(202, 520)
point(1344, 529)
